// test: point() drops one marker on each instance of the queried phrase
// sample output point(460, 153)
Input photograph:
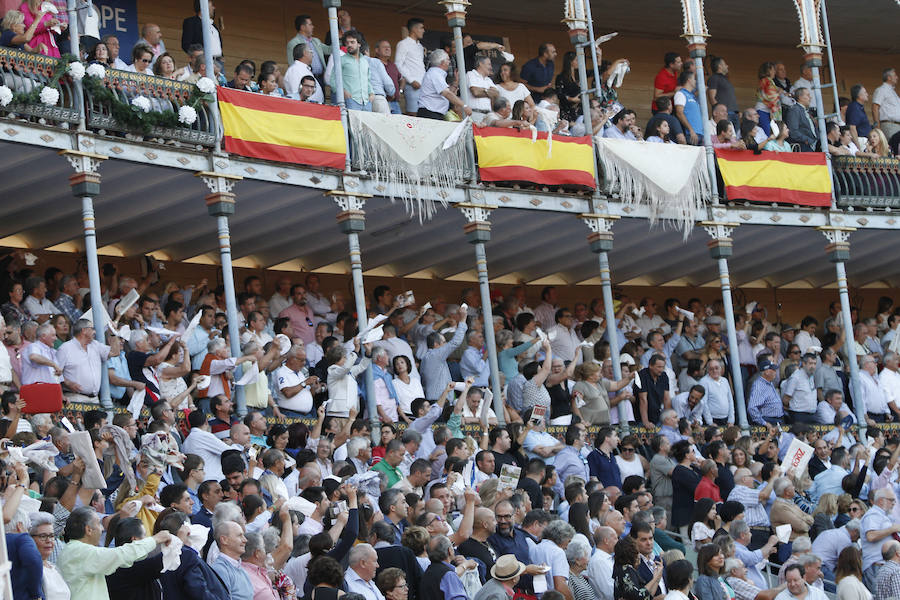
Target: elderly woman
point(392, 584)
point(578, 554)
point(41, 531)
point(171, 372)
point(590, 401)
point(710, 564)
point(744, 589)
point(343, 393)
point(626, 580)
point(164, 66)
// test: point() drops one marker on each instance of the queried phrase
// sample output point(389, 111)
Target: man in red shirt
point(707, 487)
point(666, 80)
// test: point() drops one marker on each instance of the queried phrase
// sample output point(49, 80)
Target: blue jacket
point(27, 566)
point(192, 580)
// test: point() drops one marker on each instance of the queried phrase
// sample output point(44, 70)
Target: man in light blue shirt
point(875, 528)
point(829, 480)
point(200, 337)
point(540, 444)
point(829, 543)
point(230, 538)
point(659, 345)
point(358, 92)
point(569, 460)
point(474, 363)
point(382, 86)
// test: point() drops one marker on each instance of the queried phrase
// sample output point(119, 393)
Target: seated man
point(500, 115)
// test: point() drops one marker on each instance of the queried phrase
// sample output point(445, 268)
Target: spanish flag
point(782, 177)
point(282, 130)
point(510, 155)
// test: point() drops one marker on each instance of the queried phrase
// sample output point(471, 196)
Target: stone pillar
point(478, 232)
point(720, 249)
point(351, 221)
point(85, 184)
point(838, 250)
point(220, 204)
point(601, 241)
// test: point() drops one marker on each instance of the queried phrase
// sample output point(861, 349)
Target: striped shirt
point(765, 401)
point(754, 512)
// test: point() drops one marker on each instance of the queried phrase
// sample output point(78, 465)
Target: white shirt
point(35, 307)
point(33, 372)
point(565, 344)
point(890, 383)
point(548, 553)
point(802, 390)
point(357, 584)
point(210, 448)
point(647, 324)
point(600, 574)
point(825, 414)
point(343, 391)
point(804, 340)
point(300, 402)
point(133, 69)
point(718, 398)
point(888, 101)
point(410, 59)
point(434, 83)
point(292, 78)
point(277, 302)
point(120, 64)
point(82, 365)
point(873, 393)
point(477, 80)
point(397, 347)
point(407, 392)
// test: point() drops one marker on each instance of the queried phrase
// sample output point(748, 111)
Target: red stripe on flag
point(549, 177)
point(315, 158)
point(781, 196)
point(526, 133)
point(791, 158)
point(278, 105)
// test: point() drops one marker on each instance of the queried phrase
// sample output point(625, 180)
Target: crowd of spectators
point(543, 95)
point(295, 499)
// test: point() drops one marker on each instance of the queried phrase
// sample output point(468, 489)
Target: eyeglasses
point(504, 517)
point(628, 449)
point(401, 586)
point(438, 519)
point(44, 537)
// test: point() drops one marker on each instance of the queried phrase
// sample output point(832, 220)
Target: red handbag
point(41, 398)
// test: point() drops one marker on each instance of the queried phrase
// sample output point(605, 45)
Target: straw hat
point(507, 567)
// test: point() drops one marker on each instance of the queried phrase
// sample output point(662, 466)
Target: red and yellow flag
point(782, 177)
point(283, 130)
point(509, 155)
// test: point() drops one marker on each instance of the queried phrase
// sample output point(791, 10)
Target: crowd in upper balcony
point(543, 94)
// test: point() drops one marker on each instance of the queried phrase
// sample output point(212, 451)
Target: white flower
point(206, 85)
point(141, 103)
point(6, 95)
point(49, 96)
point(96, 70)
point(187, 115)
point(76, 70)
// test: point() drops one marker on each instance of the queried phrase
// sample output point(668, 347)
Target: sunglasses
point(627, 449)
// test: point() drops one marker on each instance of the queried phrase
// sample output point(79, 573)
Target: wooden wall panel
point(260, 29)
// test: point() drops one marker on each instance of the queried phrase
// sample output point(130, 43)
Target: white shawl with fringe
point(406, 153)
point(672, 179)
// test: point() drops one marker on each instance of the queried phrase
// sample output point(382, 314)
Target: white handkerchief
point(137, 402)
point(163, 332)
point(540, 584)
point(814, 349)
point(750, 306)
point(637, 382)
point(374, 335)
point(198, 537)
point(639, 312)
point(552, 335)
point(171, 554)
point(82, 446)
point(124, 332)
point(686, 313)
point(447, 330)
point(284, 343)
point(783, 531)
point(464, 306)
point(192, 325)
point(426, 306)
point(203, 382)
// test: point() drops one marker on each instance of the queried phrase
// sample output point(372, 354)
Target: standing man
point(410, 62)
point(482, 88)
point(358, 92)
point(720, 90)
point(886, 104)
point(300, 315)
point(80, 359)
point(687, 109)
point(382, 51)
point(666, 80)
point(765, 404)
point(152, 36)
point(875, 528)
point(192, 32)
point(800, 395)
point(857, 119)
point(435, 95)
point(537, 73)
point(305, 28)
point(362, 562)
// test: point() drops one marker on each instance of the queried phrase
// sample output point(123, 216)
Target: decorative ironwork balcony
point(23, 72)
point(866, 182)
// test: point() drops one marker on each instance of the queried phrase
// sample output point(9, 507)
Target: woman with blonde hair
point(15, 35)
point(589, 400)
point(878, 144)
point(823, 516)
point(844, 505)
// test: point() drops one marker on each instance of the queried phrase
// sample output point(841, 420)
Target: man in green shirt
point(85, 566)
point(358, 91)
point(388, 465)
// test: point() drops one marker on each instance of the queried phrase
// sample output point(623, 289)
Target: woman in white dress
point(172, 387)
point(407, 385)
point(510, 87)
point(41, 531)
point(628, 459)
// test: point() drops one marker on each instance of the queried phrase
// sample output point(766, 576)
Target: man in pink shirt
point(300, 315)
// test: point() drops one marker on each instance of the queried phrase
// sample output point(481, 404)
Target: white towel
point(171, 554)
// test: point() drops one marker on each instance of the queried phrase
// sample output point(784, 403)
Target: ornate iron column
point(456, 19)
point(478, 232)
point(838, 250)
point(601, 241)
point(695, 34)
point(220, 204)
point(207, 31)
point(720, 248)
point(85, 184)
point(352, 220)
point(577, 21)
point(337, 67)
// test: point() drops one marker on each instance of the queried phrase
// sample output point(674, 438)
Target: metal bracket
point(718, 230)
point(598, 223)
point(836, 235)
point(348, 200)
point(476, 213)
point(218, 183)
point(83, 162)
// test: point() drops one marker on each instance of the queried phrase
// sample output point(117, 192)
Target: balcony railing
point(24, 72)
point(866, 182)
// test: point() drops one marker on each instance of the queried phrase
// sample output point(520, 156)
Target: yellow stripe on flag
point(282, 129)
point(502, 151)
point(774, 173)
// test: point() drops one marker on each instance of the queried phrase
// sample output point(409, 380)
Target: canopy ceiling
point(145, 209)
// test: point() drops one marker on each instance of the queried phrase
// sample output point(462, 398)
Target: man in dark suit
point(192, 31)
point(800, 123)
point(393, 555)
point(821, 459)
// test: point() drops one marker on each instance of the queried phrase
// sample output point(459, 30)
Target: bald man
point(476, 546)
